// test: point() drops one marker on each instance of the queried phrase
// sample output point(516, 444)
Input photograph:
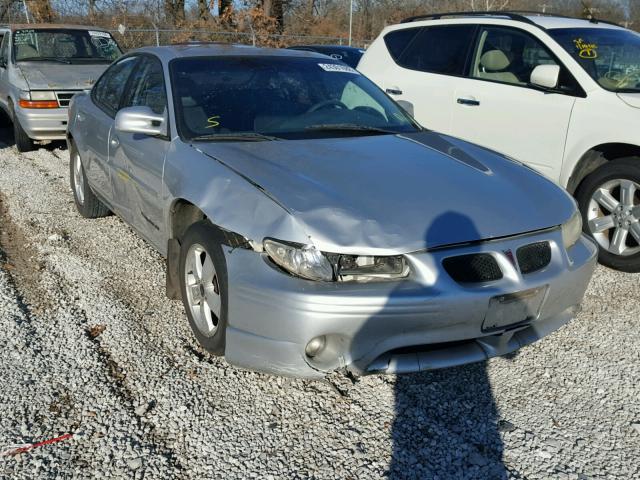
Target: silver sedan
point(310, 225)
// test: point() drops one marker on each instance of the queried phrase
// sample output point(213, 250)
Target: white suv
point(559, 94)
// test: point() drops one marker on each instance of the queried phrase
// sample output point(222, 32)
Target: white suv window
point(507, 55)
point(441, 49)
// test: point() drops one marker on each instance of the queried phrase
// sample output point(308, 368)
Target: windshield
point(285, 97)
point(65, 46)
point(610, 56)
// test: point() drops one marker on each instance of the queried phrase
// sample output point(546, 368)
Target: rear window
point(441, 49)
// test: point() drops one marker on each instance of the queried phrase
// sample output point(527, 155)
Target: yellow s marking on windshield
point(586, 50)
point(213, 121)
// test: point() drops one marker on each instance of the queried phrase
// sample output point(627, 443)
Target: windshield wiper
point(231, 137)
point(45, 59)
point(348, 127)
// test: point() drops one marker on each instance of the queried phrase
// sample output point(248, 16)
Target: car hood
point(50, 75)
point(396, 193)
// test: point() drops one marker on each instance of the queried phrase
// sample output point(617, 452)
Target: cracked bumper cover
point(426, 322)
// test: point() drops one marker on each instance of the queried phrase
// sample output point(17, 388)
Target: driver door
point(138, 159)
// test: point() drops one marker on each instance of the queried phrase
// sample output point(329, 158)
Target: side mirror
point(406, 106)
point(141, 120)
point(546, 76)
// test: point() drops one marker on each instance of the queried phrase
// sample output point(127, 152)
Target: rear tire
point(609, 200)
point(203, 285)
point(87, 204)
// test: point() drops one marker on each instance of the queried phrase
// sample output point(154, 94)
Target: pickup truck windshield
point(228, 97)
point(64, 46)
point(611, 56)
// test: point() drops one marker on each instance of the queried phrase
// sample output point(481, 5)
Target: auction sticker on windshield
point(334, 67)
point(96, 33)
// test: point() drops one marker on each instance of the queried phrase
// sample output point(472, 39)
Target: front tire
point(203, 284)
point(87, 204)
point(609, 200)
point(23, 142)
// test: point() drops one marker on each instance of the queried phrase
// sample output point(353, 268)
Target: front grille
point(534, 257)
point(65, 97)
point(474, 268)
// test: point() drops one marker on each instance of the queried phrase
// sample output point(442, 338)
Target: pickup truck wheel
point(87, 204)
point(203, 283)
point(609, 200)
point(23, 142)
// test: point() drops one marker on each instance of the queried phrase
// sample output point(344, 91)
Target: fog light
point(315, 346)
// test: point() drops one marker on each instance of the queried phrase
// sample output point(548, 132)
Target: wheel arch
point(596, 157)
point(183, 214)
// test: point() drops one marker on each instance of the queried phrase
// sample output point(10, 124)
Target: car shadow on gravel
point(446, 421)
point(6, 137)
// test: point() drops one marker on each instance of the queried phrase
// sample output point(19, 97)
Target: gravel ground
point(91, 346)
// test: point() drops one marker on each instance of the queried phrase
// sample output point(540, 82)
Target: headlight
point(308, 262)
point(43, 95)
point(572, 230)
point(305, 261)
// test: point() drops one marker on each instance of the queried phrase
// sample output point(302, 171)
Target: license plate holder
point(512, 309)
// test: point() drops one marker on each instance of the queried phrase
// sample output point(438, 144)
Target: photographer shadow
point(446, 421)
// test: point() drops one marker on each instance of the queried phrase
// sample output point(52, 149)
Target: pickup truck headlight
point(571, 230)
point(308, 262)
point(305, 261)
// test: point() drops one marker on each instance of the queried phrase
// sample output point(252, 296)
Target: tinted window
point(146, 87)
point(442, 49)
point(510, 56)
point(108, 91)
point(398, 40)
point(4, 50)
point(289, 97)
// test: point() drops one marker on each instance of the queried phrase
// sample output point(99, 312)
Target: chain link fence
point(135, 38)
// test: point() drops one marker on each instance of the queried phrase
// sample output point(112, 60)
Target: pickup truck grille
point(65, 97)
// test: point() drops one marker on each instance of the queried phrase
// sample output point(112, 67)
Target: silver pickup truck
point(41, 68)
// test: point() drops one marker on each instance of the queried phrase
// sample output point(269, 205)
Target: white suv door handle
point(470, 101)
point(394, 91)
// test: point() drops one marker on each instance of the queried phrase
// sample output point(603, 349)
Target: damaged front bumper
point(426, 322)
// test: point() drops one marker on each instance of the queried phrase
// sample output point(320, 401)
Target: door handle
point(114, 142)
point(80, 116)
point(393, 91)
point(472, 102)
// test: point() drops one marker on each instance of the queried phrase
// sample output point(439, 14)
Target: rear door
point(498, 108)
point(429, 64)
point(139, 158)
point(94, 120)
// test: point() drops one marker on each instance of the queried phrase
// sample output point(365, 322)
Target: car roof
point(169, 52)
point(42, 26)
point(551, 22)
point(337, 47)
point(542, 20)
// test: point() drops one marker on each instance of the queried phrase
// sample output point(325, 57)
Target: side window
point(4, 49)
point(441, 49)
point(509, 56)
point(107, 93)
point(147, 87)
point(398, 40)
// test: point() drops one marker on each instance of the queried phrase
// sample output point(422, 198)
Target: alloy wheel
point(614, 216)
point(203, 290)
point(78, 179)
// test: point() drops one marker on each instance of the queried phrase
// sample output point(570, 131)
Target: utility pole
point(544, 7)
point(350, 20)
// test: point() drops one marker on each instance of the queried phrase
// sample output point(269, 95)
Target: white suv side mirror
point(140, 120)
point(546, 76)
